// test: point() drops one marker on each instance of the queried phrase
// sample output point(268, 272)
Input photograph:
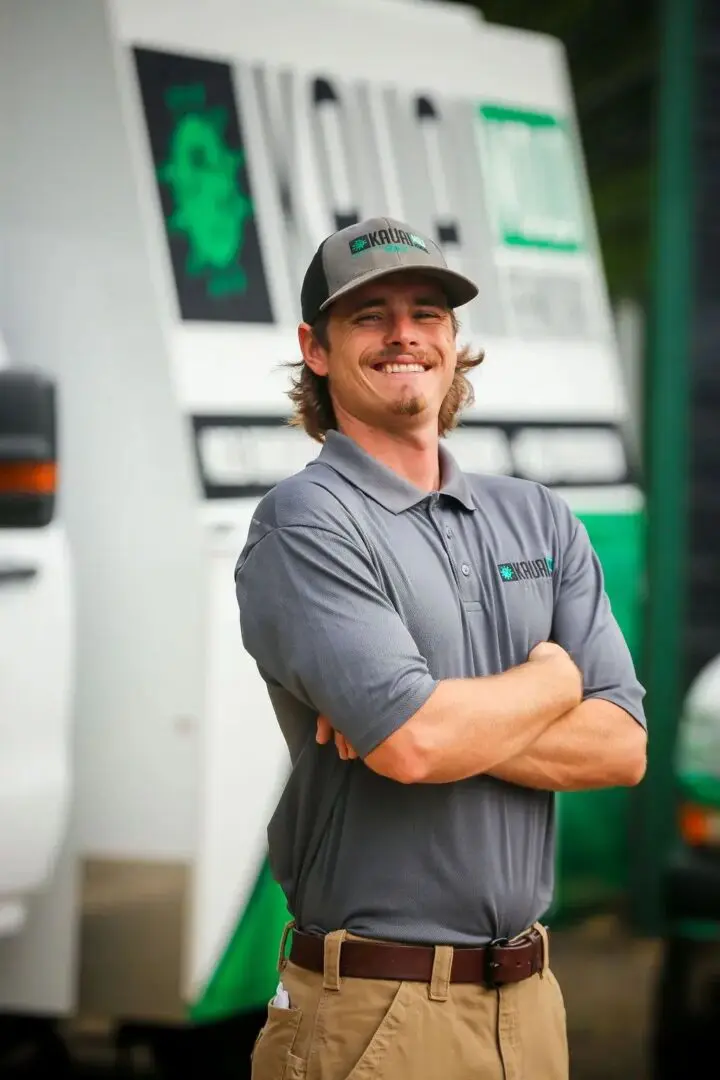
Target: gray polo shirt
point(358, 593)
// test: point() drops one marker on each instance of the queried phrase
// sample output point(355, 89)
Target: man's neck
point(414, 455)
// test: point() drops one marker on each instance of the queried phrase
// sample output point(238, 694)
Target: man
point(441, 657)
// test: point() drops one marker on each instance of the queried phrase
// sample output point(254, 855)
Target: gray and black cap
point(373, 249)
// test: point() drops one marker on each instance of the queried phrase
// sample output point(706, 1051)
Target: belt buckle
point(491, 964)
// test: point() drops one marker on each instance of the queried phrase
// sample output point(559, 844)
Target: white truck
point(36, 644)
point(168, 168)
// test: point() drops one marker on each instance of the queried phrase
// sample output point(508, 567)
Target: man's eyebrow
point(432, 301)
point(378, 302)
point(420, 301)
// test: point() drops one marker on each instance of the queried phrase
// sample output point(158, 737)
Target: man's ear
point(314, 355)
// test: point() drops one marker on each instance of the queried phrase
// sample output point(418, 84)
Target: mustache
point(387, 356)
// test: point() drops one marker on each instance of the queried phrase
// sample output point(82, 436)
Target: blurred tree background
point(612, 50)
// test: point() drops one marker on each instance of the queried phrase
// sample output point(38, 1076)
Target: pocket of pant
point(273, 1048)
point(372, 1061)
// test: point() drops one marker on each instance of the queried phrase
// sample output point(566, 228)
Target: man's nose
point(401, 330)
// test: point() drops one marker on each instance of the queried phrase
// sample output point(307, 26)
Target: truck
point(686, 1005)
point(171, 169)
point(36, 649)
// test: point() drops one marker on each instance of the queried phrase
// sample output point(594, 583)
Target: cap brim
point(458, 288)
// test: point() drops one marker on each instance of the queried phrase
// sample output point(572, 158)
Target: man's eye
point(372, 316)
point(427, 315)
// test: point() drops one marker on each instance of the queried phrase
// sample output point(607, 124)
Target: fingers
point(344, 749)
point(324, 730)
point(324, 733)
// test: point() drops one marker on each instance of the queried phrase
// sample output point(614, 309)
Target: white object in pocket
point(282, 998)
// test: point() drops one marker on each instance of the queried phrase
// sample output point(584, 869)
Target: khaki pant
point(358, 1029)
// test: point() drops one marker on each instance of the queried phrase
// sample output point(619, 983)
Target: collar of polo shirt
point(384, 485)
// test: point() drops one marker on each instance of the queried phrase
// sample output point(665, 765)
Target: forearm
point(470, 726)
point(595, 745)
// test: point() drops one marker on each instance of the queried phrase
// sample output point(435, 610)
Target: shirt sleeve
point(585, 627)
point(314, 616)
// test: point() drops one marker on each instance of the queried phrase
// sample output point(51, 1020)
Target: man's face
point(391, 356)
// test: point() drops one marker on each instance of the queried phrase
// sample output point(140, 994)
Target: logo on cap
point(388, 240)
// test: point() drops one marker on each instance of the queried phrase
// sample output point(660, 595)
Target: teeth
point(391, 369)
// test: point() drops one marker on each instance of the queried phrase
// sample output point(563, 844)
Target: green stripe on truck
point(246, 976)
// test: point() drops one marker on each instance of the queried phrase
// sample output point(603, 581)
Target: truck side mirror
point(28, 449)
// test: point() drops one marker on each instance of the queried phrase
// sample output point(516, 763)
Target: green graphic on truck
point(200, 164)
point(211, 209)
point(533, 179)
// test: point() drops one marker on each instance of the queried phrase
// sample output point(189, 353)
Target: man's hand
point(547, 652)
point(325, 733)
point(596, 744)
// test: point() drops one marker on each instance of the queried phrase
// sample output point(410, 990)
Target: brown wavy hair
point(312, 404)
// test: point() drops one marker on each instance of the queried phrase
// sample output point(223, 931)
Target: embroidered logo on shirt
point(527, 569)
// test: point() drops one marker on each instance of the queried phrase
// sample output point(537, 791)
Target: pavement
point(608, 979)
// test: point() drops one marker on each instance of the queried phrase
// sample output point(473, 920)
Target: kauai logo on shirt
point(527, 569)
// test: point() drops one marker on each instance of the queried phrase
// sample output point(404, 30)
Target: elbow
point(635, 770)
point(633, 767)
point(400, 758)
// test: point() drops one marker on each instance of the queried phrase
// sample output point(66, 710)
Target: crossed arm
point(594, 744)
point(326, 631)
point(529, 726)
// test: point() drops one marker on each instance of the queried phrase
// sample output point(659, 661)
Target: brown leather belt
point(492, 965)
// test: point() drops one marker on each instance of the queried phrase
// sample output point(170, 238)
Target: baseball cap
point(373, 249)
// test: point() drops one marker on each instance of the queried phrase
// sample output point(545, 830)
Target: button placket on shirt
point(465, 576)
point(470, 586)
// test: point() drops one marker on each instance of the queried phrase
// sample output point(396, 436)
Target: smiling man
point(442, 658)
